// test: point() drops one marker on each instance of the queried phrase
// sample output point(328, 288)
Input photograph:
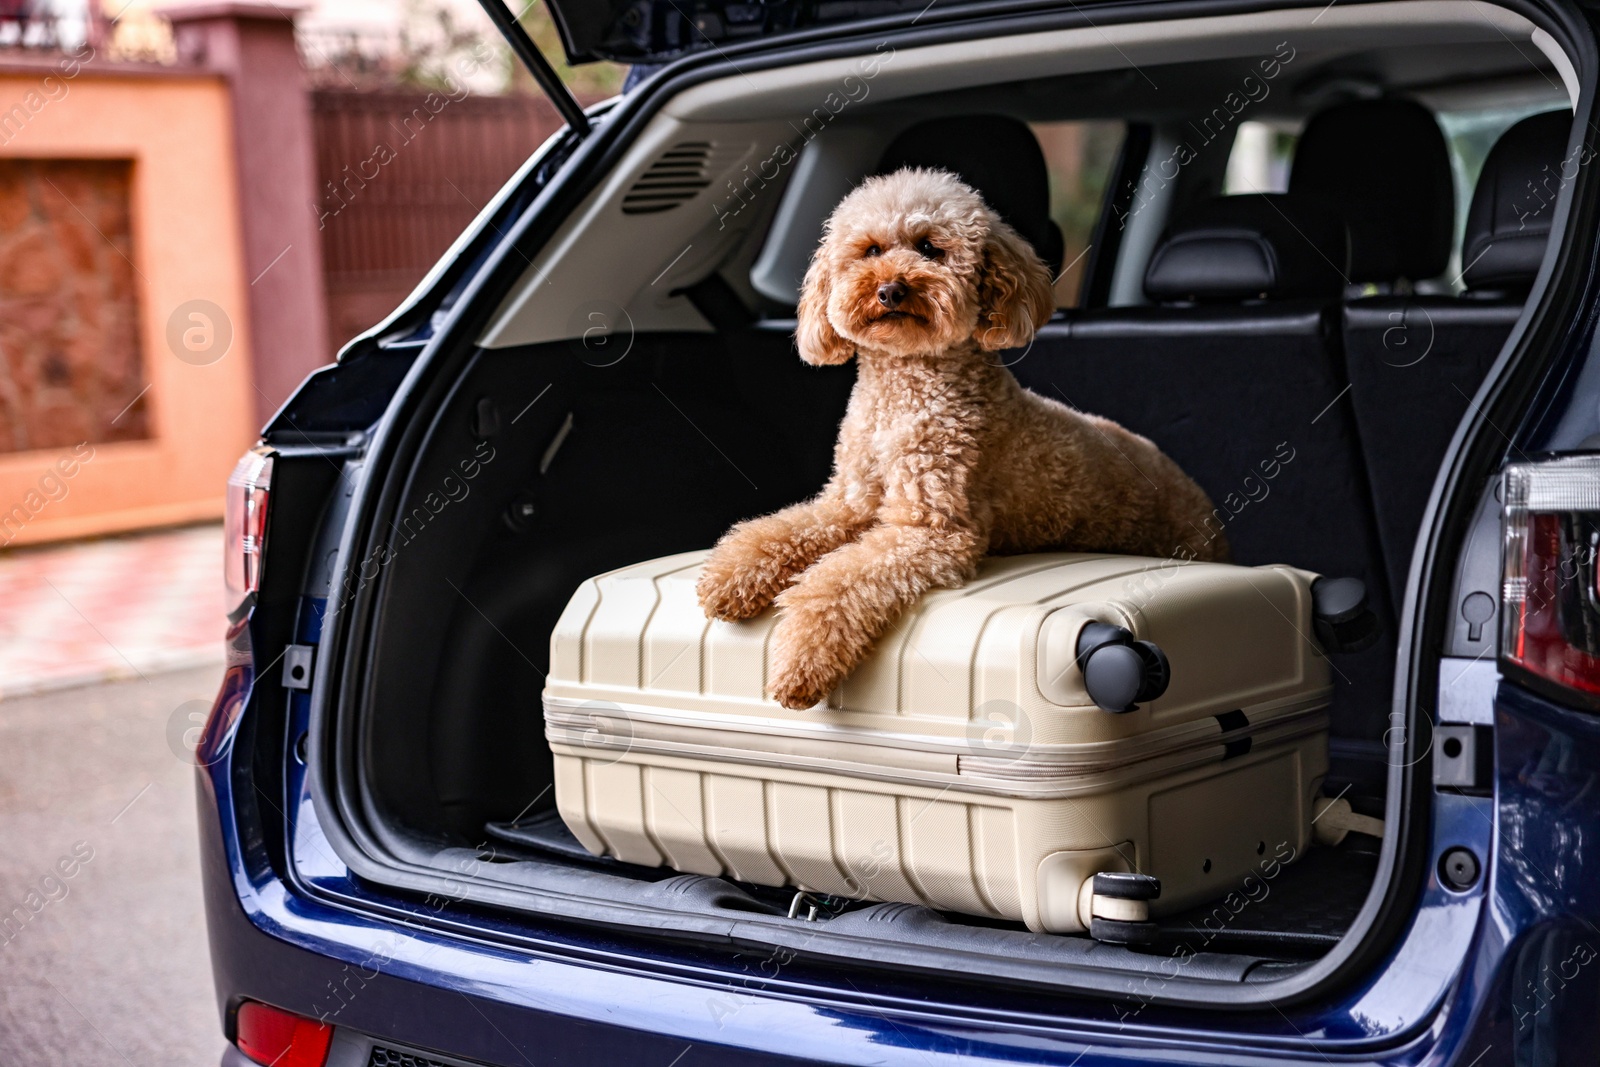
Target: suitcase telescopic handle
point(1118, 671)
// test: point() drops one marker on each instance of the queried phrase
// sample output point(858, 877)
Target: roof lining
point(963, 64)
point(669, 250)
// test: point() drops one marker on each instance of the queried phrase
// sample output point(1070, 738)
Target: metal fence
point(400, 173)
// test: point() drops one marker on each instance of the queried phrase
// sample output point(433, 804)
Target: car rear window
point(1263, 153)
point(1080, 156)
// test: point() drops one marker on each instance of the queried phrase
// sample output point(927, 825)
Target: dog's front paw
point(804, 680)
point(735, 584)
point(809, 660)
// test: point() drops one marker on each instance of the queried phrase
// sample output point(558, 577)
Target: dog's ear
point(814, 335)
point(1014, 295)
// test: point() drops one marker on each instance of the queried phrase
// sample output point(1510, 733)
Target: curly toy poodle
point(942, 456)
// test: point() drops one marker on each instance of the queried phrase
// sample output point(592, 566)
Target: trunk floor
point(1300, 914)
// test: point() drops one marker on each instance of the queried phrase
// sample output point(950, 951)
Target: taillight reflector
point(281, 1038)
point(245, 526)
point(1550, 618)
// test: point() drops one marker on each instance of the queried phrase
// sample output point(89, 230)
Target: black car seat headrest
point(1384, 166)
point(1508, 224)
point(999, 157)
point(1261, 246)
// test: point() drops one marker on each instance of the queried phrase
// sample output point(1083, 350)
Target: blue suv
point(1376, 354)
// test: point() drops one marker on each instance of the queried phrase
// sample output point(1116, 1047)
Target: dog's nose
point(890, 294)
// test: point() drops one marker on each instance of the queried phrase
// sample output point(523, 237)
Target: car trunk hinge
point(537, 65)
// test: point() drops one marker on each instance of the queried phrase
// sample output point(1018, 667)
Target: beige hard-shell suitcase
point(965, 766)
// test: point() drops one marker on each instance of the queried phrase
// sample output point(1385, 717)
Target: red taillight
point(1550, 623)
point(280, 1038)
point(245, 526)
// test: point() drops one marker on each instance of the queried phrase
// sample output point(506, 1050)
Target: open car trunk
point(596, 462)
point(597, 419)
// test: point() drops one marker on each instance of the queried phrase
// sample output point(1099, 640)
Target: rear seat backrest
point(1415, 362)
point(1242, 385)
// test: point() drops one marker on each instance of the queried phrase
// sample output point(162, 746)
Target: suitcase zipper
point(613, 731)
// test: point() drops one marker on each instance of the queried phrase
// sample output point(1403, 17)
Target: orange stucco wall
point(177, 130)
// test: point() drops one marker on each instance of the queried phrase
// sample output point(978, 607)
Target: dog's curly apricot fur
point(942, 455)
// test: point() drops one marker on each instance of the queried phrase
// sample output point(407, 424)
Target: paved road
point(112, 968)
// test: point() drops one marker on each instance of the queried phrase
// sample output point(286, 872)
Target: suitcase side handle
point(1118, 671)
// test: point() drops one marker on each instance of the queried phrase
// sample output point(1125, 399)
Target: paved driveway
point(97, 831)
point(109, 608)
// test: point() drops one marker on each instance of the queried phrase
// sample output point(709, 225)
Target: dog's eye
point(928, 249)
point(872, 250)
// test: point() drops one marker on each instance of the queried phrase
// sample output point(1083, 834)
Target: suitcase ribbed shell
point(962, 766)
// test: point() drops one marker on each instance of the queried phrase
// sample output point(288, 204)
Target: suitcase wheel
point(1120, 908)
point(1118, 932)
point(1340, 615)
point(1126, 885)
point(1118, 671)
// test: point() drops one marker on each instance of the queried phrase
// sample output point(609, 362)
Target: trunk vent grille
point(676, 178)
